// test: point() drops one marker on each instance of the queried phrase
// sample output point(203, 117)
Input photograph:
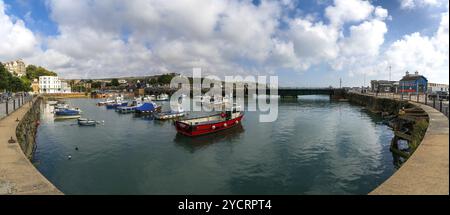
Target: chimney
point(407, 73)
point(416, 73)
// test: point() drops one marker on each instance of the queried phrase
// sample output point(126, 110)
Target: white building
point(65, 88)
point(52, 84)
point(433, 87)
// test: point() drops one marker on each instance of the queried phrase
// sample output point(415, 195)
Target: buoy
point(213, 127)
point(76, 148)
point(69, 157)
point(237, 121)
point(225, 125)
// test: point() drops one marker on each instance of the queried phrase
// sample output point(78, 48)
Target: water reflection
point(193, 144)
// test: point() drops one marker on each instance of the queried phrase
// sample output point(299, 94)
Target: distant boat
point(209, 124)
point(103, 103)
point(162, 97)
point(147, 108)
point(86, 122)
point(215, 100)
point(67, 114)
point(130, 107)
point(170, 114)
point(52, 103)
point(116, 104)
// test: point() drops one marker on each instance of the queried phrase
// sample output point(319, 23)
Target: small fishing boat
point(67, 114)
point(86, 122)
point(170, 114)
point(52, 103)
point(116, 104)
point(103, 103)
point(130, 107)
point(147, 108)
point(162, 97)
point(202, 99)
point(209, 124)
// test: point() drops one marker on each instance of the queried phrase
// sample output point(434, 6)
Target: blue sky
point(307, 43)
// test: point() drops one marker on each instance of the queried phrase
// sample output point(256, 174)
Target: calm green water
point(315, 147)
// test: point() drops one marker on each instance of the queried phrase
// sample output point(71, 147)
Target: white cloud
point(16, 40)
point(381, 13)
point(411, 4)
point(428, 55)
point(227, 37)
point(364, 39)
point(137, 37)
point(348, 11)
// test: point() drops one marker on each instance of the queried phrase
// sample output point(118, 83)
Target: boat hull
point(166, 116)
point(68, 117)
point(203, 129)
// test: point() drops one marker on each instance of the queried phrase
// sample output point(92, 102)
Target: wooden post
point(7, 106)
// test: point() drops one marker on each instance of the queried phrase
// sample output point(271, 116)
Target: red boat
point(209, 124)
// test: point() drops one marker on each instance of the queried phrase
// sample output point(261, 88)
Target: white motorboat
point(162, 97)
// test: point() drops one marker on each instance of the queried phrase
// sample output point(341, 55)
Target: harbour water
point(315, 147)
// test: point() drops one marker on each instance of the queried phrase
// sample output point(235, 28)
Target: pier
point(17, 173)
point(426, 172)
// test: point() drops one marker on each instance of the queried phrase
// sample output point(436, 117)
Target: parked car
point(438, 95)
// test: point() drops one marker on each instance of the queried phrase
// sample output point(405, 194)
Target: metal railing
point(9, 105)
point(435, 102)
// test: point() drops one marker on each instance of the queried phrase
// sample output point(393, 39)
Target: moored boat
point(130, 107)
point(170, 114)
point(116, 105)
point(147, 108)
point(209, 124)
point(52, 103)
point(162, 97)
point(67, 114)
point(87, 122)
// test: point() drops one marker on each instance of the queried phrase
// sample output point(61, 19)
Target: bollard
point(434, 102)
point(14, 105)
point(440, 106)
point(426, 99)
point(7, 106)
point(11, 140)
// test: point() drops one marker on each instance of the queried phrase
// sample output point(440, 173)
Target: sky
point(306, 43)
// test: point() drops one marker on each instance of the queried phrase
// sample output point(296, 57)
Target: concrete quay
point(17, 174)
point(426, 172)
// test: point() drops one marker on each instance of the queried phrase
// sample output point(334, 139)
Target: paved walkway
point(17, 174)
point(427, 170)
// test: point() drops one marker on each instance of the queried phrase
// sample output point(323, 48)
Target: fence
point(435, 102)
point(10, 105)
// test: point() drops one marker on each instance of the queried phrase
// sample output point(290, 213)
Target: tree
point(115, 82)
point(5, 76)
point(153, 81)
point(165, 79)
point(96, 85)
point(11, 83)
point(34, 72)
